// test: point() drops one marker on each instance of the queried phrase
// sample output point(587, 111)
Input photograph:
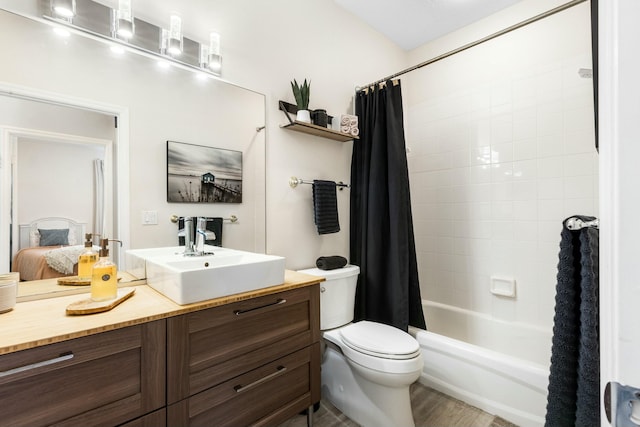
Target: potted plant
point(301, 94)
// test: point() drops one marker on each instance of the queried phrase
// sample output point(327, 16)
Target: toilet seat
point(379, 340)
point(398, 362)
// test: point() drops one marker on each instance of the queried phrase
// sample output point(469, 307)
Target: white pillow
point(34, 237)
point(73, 239)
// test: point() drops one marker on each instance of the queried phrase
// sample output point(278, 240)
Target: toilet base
point(367, 403)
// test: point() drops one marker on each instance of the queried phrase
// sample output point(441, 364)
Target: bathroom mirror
point(127, 106)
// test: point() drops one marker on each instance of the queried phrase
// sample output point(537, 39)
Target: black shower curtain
point(381, 227)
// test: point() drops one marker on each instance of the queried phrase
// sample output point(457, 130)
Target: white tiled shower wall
point(501, 149)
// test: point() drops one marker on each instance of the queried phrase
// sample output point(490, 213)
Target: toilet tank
point(337, 295)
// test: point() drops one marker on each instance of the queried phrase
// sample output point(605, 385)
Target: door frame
point(121, 224)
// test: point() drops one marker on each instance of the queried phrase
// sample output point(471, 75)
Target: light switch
point(149, 217)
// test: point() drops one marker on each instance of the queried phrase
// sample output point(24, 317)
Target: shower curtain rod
point(477, 42)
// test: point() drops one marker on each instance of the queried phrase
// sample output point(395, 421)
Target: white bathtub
point(499, 367)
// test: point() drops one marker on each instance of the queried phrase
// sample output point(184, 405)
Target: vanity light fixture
point(172, 47)
point(64, 8)
point(204, 56)
point(174, 41)
point(214, 62)
point(123, 20)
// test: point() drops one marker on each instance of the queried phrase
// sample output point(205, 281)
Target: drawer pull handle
point(241, 388)
point(61, 358)
point(278, 302)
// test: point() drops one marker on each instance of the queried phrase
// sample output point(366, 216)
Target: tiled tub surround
point(501, 149)
point(501, 141)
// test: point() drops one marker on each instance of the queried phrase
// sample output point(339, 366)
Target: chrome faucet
point(196, 248)
point(201, 235)
point(188, 236)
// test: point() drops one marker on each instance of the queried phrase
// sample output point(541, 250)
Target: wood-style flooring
point(430, 409)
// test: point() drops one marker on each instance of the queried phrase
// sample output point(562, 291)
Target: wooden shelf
point(318, 131)
point(311, 129)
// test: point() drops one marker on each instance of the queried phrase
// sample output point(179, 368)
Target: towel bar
point(232, 218)
point(293, 183)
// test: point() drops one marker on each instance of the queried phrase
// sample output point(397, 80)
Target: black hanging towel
point(325, 206)
point(574, 379)
point(215, 224)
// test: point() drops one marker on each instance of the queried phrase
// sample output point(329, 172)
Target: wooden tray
point(89, 306)
point(75, 281)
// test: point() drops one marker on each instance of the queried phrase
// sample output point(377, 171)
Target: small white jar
point(8, 291)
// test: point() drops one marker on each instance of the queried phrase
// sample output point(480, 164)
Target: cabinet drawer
point(209, 347)
point(107, 378)
point(282, 387)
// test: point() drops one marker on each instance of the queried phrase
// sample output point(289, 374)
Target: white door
point(619, 118)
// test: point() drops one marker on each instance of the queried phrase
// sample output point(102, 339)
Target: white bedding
point(63, 259)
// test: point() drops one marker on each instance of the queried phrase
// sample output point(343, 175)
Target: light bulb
point(214, 61)
point(64, 8)
point(124, 19)
point(214, 43)
point(174, 46)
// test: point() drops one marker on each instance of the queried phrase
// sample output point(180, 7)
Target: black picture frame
point(203, 174)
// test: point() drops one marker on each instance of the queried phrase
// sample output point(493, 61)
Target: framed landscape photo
point(201, 174)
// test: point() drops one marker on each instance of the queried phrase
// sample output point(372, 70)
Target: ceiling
point(411, 23)
point(407, 23)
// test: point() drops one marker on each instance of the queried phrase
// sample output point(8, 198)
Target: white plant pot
point(303, 116)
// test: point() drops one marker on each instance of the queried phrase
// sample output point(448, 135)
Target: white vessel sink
point(189, 279)
point(135, 259)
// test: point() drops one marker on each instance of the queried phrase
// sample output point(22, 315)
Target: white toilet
point(367, 367)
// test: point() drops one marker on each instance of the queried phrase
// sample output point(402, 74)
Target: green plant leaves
point(301, 93)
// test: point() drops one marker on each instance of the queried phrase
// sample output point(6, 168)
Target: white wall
point(55, 179)
point(502, 150)
point(320, 41)
point(169, 104)
point(265, 46)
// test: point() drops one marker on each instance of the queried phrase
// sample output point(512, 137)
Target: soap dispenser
point(87, 259)
point(104, 281)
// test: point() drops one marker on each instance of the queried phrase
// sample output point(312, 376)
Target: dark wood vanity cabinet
point(253, 362)
point(104, 379)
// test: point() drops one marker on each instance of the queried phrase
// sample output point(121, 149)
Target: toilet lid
point(380, 340)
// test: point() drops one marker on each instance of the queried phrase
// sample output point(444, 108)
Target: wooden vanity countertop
point(40, 322)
